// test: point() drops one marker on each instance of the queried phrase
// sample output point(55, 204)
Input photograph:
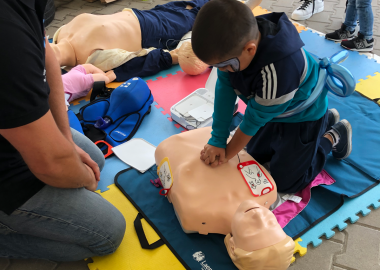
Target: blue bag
point(116, 119)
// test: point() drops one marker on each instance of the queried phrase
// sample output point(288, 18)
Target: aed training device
point(195, 110)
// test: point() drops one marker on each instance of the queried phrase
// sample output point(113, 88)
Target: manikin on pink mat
point(205, 199)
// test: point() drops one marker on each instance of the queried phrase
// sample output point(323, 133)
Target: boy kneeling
point(262, 61)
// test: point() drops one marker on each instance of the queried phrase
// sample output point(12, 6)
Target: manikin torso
point(204, 198)
point(87, 33)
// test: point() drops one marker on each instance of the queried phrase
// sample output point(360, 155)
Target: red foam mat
point(168, 91)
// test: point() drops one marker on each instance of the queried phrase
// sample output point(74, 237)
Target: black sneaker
point(359, 44)
point(333, 118)
point(341, 34)
point(341, 133)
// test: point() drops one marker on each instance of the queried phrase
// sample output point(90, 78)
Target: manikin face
point(255, 227)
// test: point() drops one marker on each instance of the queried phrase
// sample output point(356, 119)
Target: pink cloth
point(77, 83)
point(289, 209)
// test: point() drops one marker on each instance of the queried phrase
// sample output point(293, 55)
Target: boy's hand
point(212, 155)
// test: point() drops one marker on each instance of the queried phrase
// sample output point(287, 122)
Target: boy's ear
point(251, 48)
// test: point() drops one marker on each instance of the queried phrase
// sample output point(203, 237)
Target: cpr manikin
point(118, 34)
point(205, 199)
point(257, 241)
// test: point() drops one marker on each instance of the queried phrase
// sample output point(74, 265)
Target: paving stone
point(287, 10)
point(321, 17)
point(319, 26)
point(335, 24)
point(339, 236)
point(339, 13)
point(96, 4)
point(141, 5)
point(110, 9)
point(50, 31)
point(58, 3)
point(31, 264)
point(79, 265)
point(4, 263)
point(61, 13)
point(319, 258)
point(67, 19)
point(373, 219)
point(362, 249)
point(76, 4)
point(267, 4)
point(85, 9)
point(284, 3)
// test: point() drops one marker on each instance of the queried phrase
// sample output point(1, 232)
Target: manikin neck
point(65, 53)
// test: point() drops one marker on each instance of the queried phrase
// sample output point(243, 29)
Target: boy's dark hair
point(221, 29)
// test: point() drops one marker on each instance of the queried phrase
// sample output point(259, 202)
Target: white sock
point(335, 136)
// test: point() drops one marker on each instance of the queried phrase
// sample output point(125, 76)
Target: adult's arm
point(58, 106)
point(56, 97)
point(50, 156)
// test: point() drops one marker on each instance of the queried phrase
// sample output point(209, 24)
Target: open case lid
point(211, 81)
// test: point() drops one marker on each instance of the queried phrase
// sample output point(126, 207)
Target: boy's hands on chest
point(212, 155)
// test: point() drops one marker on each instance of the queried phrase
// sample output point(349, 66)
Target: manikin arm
point(98, 74)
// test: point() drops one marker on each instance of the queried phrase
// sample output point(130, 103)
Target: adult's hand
point(86, 159)
point(94, 184)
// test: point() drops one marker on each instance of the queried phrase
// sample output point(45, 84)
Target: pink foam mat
point(168, 91)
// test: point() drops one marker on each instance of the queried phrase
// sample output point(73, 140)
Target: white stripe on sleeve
point(274, 81)
point(264, 83)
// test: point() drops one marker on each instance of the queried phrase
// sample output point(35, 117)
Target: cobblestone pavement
point(355, 248)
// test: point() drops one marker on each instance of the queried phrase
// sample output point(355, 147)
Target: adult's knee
point(115, 234)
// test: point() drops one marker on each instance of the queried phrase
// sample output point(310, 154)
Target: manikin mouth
point(251, 209)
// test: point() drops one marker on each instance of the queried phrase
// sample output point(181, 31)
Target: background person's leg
point(351, 15)
point(61, 225)
point(365, 14)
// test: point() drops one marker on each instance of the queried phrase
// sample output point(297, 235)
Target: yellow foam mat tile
point(88, 96)
point(369, 87)
point(301, 250)
point(130, 255)
point(257, 11)
point(299, 27)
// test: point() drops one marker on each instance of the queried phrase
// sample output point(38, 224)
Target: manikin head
point(189, 62)
point(226, 35)
point(257, 241)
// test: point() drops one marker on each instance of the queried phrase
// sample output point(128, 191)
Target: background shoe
point(340, 34)
point(307, 9)
point(333, 118)
point(343, 145)
point(359, 44)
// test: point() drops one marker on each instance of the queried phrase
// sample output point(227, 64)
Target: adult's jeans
point(362, 10)
point(63, 224)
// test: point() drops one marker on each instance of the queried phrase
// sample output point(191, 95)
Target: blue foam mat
point(160, 214)
point(155, 128)
point(324, 48)
point(354, 175)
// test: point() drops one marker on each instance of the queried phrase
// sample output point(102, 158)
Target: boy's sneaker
point(341, 133)
point(359, 44)
point(307, 9)
point(341, 34)
point(333, 118)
